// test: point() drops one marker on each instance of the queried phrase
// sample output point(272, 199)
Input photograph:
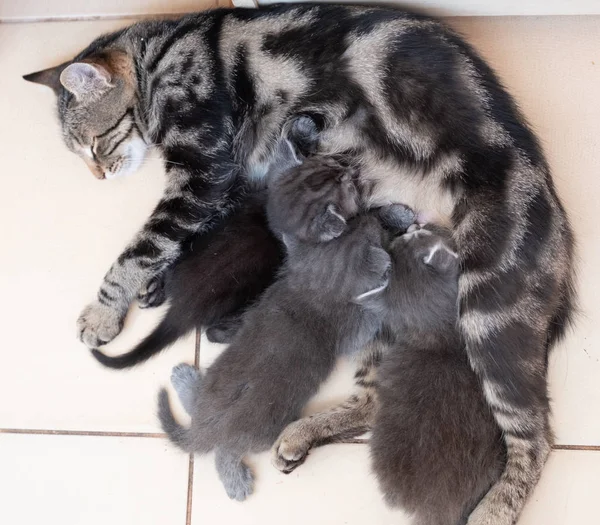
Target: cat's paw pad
point(240, 484)
point(99, 324)
point(152, 294)
point(184, 378)
point(291, 449)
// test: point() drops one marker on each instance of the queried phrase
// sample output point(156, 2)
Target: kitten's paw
point(152, 294)
point(240, 484)
point(99, 324)
point(304, 134)
point(396, 217)
point(184, 378)
point(291, 448)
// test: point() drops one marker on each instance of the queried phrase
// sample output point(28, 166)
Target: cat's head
point(96, 99)
point(313, 201)
point(423, 289)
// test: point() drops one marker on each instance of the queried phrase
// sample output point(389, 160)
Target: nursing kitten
point(323, 304)
point(435, 447)
point(423, 117)
point(220, 274)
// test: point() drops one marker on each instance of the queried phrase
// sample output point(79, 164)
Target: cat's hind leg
point(236, 476)
point(186, 381)
point(350, 419)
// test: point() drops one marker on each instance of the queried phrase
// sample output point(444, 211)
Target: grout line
point(190, 491)
point(190, 488)
point(197, 349)
point(594, 448)
point(94, 433)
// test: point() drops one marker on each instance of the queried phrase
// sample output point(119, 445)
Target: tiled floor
point(80, 444)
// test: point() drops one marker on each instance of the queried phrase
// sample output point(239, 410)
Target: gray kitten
point(323, 304)
point(435, 447)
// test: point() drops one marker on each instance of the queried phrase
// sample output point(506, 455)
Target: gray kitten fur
point(323, 304)
point(435, 447)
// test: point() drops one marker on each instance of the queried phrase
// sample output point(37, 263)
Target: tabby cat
point(435, 446)
point(239, 258)
point(424, 118)
point(324, 303)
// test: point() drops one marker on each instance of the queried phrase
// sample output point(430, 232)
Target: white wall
point(484, 7)
point(39, 9)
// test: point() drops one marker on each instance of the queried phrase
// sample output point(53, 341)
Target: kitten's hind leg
point(152, 294)
point(224, 330)
point(236, 476)
point(186, 381)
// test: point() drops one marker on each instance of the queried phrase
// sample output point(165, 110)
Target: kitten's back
point(436, 448)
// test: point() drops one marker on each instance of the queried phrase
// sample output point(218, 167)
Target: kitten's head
point(423, 290)
point(314, 200)
point(353, 268)
point(96, 97)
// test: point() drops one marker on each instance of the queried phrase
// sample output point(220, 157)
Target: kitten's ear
point(330, 224)
point(85, 80)
point(48, 77)
point(290, 242)
point(441, 257)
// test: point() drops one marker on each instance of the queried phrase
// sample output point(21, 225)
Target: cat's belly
point(423, 193)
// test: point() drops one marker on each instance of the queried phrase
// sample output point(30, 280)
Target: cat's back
point(435, 446)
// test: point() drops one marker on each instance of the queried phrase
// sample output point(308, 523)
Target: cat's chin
point(134, 158)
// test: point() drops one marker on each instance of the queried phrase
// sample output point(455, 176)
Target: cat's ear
point(85, 80)
point(441, 257)
point(48, 77)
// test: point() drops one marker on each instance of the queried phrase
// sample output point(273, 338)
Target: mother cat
point(421, 113)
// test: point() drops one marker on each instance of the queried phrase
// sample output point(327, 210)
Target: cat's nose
point(96, 170)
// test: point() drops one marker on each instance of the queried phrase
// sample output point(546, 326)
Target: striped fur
point(422, 115)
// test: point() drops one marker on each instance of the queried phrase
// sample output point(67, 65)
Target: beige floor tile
point(568, 491)
point(62, 229)
point(91, 481)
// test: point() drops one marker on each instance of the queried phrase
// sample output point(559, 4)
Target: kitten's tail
point(164, 335)
point(178, 434)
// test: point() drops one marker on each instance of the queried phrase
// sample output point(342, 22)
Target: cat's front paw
point(292, 447)
point(152, 294)
point(99, 324)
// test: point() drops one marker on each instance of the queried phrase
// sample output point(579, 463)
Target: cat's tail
point(177, 433)
point(164, 335)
